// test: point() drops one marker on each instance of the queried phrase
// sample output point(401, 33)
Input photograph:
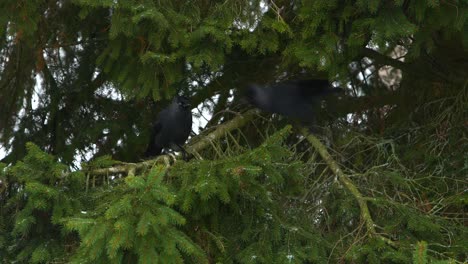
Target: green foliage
point(137, 221)
point(238, 208)
point(335, 32)
point(420, 253)
point(87, 76)
point(100, 162)
point(45, 192)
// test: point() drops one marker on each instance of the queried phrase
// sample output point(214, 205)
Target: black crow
point(172, 127)
point(298, 99)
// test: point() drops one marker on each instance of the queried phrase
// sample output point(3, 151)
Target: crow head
point(257, 96)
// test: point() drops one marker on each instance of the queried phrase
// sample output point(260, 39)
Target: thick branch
point(221, 130)
point(200, 143)
point(385, 60)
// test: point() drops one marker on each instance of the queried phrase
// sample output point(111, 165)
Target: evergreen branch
point(221, 130)
point(348, 183)
point(277, 10)
point(200, 144)
point(385, 60)
point(243, 71)
point(128, 168)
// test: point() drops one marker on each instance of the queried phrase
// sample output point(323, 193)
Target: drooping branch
point(347, 182)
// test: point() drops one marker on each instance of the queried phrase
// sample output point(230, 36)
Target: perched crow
point(172, 127)
point(299, 99)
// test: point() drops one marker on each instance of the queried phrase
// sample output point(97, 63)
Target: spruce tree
point(383, 181)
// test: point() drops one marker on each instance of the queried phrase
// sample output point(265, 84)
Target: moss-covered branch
point(199, 144)
point(220, 131)
point(346, 181)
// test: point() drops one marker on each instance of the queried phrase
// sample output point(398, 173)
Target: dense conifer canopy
point(383, 181)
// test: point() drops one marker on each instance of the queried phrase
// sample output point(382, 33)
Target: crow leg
point(185, 155)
